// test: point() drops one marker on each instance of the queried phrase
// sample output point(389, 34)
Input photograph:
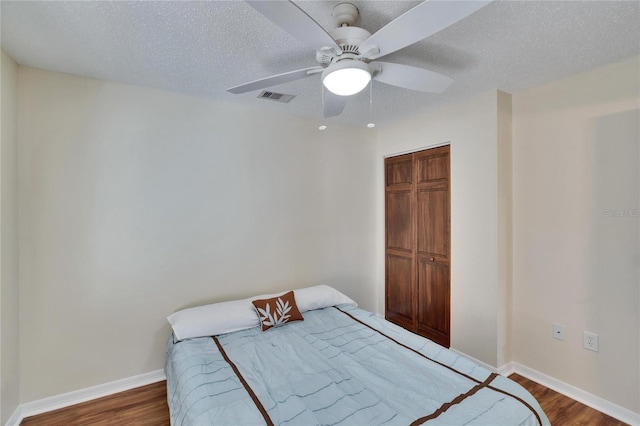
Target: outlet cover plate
point(558, 331)
point(590, 341)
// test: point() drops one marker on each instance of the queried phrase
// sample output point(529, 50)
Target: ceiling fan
point(347, 56)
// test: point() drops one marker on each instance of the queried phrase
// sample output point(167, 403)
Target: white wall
point(471, 127)
point(136, 203)
point(9, 331)
point(576, 156)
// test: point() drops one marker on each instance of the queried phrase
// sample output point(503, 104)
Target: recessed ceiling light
point(323, 127)
point(371, 125)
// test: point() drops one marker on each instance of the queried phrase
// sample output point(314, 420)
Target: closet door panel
point(433, 164)
point(399, 170)
point(398, 218)
point(399, 292)
point(433, 293)
point(433, 234)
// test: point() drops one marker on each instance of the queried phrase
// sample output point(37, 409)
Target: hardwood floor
point(562, 410)
point(147, 406)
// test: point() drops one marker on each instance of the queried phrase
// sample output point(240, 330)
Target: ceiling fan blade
point(412, 78)
point(296, 22)
point(333, 104)
point(274, 80)
point(425, 19)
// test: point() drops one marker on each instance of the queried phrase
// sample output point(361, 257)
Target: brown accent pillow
point(277, 311)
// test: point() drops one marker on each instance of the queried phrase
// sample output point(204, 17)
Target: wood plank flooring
point(562, 410)
point(147, 406)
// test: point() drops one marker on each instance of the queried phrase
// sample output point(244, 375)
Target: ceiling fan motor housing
point(345, 14)
point(349, 40)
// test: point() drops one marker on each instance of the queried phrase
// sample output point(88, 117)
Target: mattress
point(340, 366)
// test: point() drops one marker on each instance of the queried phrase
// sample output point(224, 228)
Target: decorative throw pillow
point(277, 311)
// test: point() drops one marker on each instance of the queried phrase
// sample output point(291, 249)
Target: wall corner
point(505, 226)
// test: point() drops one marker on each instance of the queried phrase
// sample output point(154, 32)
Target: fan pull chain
point(322, 126)
point(371, 124)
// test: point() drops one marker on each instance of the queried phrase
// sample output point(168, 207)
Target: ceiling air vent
point(273, 96)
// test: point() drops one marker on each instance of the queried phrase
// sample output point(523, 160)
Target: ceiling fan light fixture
point(346, 78)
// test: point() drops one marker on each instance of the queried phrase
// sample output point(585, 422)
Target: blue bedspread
point(341, 366)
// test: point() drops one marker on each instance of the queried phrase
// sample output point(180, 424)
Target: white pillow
point(226, 317)
point(320, 296)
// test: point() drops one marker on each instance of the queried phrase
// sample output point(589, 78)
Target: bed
point(341, 365)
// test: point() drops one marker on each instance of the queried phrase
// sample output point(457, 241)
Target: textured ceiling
point(203, 48)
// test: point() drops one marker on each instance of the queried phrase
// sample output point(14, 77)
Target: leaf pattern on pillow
point(278, 317)
point(277, 311)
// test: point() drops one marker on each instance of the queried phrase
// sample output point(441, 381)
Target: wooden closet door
point(417, 210)
point(433, 244)
point(399, 250)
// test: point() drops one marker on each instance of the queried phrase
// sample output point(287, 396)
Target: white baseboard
point(15, 418)
point(71, 398)
point(586, 398)
point(506, 369)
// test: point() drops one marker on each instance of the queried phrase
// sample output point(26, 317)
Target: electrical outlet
point(590, 341)
point(558, 331)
